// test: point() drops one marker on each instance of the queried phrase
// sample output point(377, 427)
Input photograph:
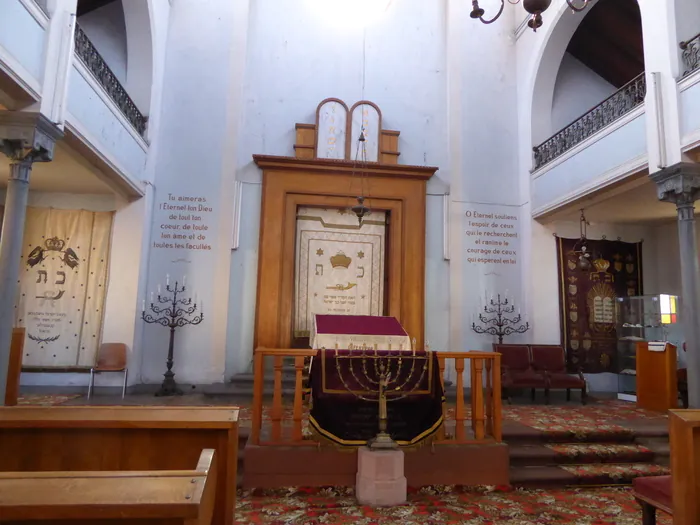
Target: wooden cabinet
point(657, 385)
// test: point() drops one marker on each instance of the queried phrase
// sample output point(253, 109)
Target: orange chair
point(111, 357)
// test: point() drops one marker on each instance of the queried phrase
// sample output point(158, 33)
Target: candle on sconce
point(143, 305)
point(158, 289)
point(151, 297)
point(195, 298)
point(184, 278)
point(167, 279)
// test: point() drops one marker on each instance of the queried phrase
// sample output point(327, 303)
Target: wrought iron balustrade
point(92, 59)
point(691, 54)
point(617, 105)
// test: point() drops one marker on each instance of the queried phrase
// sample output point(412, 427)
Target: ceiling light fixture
point(534, 7)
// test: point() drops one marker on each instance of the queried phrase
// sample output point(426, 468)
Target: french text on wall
point(63, 281)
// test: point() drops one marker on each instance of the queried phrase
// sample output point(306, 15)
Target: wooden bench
point(184, 497)
point(652, 493)
point(77, 438)
point(679, 493)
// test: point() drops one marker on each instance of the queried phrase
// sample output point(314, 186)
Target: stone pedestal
point(380, 479)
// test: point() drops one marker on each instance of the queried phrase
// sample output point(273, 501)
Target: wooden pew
point(685, 465)
point(679, 493)
point(84, 438)
point(90, 498)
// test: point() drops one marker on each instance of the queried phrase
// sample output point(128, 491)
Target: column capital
point(679, 184)
point(27, 136)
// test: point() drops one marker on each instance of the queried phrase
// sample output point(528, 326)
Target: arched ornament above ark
point(336, 133)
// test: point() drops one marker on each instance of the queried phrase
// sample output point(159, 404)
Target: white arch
point(542, 71)
point(139, 51)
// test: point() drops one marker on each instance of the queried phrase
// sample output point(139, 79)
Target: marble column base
point(380, 478)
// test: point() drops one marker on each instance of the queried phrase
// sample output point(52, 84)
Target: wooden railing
point(477, 423)
point(485, 410)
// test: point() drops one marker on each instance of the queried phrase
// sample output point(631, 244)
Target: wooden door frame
point(290, 182)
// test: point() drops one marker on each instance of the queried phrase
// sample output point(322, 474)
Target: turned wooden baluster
point(298, 397)
point(489, 398)
point(472, 382)
point(497, 435)
point(478, 398)
point(459, 409)
point(441, 431)
point(276, 415)
point(258, 388)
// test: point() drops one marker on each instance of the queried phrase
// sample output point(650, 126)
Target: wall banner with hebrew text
point(63, 277)
point(339, 266)
point(587, 299)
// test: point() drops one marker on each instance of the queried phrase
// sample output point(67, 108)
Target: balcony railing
point(617, 105)
point(92, 59)
point(691, 54)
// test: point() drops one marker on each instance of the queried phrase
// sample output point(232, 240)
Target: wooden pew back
point(685, 465)
point(178, 497)
point(122, 439)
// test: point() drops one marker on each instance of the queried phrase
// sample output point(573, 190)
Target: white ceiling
point(68, 172)
point(635, 202)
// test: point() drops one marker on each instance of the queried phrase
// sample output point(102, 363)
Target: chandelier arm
point(497, 16)
point(575, 7)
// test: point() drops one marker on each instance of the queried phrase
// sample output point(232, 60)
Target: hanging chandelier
point(360, 158)
point(534, 7)
point(580, 249)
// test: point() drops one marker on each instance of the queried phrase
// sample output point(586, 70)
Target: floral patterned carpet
point(444, 505)
point(599, 452)
point(46, 400)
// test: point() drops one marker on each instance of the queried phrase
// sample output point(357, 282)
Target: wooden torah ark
point(305, 180)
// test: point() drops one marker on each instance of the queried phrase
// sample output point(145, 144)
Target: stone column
point(25, 138)
point(680, 184)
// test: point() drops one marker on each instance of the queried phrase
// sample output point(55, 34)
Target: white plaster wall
point(690, 110)
point(578, 89)
point(22, 40)
point(545, 285)
point(101, 124)
point(106, 30)
point(296, 58)
point(200, 44)
point(613, 154)
point(687, 19)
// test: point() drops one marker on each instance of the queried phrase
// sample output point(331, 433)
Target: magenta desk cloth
point(358, 331)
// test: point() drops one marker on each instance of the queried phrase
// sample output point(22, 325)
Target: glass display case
point(643, 318)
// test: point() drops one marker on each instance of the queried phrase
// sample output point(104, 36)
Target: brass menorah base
point(382, 441)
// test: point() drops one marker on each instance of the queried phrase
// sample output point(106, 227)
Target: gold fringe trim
point(324, 437)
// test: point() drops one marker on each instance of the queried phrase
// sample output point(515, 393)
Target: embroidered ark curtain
point(63, 279)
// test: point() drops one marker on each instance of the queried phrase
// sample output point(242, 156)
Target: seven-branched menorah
point(175, 315)
point(380, 376)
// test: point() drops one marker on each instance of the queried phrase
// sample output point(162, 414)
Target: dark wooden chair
point(111, 357)
point(517, 371)
point(652, 493)
point(550, 360)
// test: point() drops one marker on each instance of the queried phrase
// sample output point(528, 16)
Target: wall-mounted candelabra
point(171, 311)
point(494, 319)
